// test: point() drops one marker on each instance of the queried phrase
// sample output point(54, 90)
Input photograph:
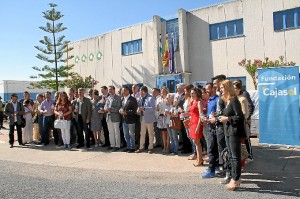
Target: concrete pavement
point(274, 169)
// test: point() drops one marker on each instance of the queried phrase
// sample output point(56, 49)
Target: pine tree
point(54, 50)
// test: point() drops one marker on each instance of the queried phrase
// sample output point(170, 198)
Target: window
point(132, 47)
point(287, 19)
point(173, 29)
point(226, 29)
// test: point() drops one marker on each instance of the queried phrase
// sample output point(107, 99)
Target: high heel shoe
point(233, 185)
point(198, 164)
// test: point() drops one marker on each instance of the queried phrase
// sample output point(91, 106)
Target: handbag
point(60, 124)
point(175, 123)
point(23, 122)
point(186, 123)
point(244, 152)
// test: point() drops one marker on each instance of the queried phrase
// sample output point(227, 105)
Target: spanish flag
point(166, 57)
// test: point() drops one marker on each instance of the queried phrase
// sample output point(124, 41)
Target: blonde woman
point(161, 122)
point(173, 134)
point(233, 120)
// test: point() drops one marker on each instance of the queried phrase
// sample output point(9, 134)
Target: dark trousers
point(106, 132)
point(1, 119)
point(73, 131)
point(40, 121)
point(57, 137)
point(47, 125)
point(91, 134)
point(221, 142)
point(83, 126)
point(186, 143)
point(215, 145)
point(234, 148)
point(212, 147)
point(11, 133)
point(158, 137)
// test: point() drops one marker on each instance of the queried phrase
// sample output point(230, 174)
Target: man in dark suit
point(83, 109)
point(103, 97)
point(14, 110)
point(128, 112)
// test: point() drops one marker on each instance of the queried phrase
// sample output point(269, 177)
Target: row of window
point(226, 29)
point(286, 19)
point(132, 47)
point(283, 20)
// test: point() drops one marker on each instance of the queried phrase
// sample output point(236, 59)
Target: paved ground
point(49, 172)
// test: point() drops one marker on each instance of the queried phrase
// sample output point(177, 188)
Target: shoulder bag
point(175, 123)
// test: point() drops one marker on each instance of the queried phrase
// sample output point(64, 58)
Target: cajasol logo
point(279, 92)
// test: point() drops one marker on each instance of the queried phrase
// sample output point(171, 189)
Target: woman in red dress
point(196, 127)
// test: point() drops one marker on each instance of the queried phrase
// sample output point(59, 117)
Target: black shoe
point(105, 145)
point(131, 151)
point(157, 146)
point(11, 146)
point(181, 149)
point(186, 152)
point(116, 149)
point(126, 150)
point(45, 144)
point(79, 146)
point(21, 144)
point(109, 148)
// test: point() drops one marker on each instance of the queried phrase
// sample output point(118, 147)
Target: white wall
point(197, 54)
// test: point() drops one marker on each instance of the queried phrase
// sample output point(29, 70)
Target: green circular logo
point(77, 59)
point(99, 55)
point(91, 57)
point(83, 58)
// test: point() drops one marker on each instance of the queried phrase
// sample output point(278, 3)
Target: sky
point(20, 21)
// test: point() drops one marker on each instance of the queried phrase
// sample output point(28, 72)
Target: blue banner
point(278, 90)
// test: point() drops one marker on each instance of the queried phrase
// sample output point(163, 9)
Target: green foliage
point(79, 82)
point(53, 50)
point(251, 67)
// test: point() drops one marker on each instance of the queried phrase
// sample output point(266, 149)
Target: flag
point(166, 57)
point(172, 55)
point(160, 47)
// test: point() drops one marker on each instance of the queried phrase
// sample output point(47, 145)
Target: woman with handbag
point(196, 126)
point(186, 119)
point(161, 120)
point(63, 112)
point(244, 103)
point(233, 120)
point(173, 133)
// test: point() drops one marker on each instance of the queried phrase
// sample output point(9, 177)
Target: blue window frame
point(287, 19)
point(132, 47)
point(226, 29)
point(173, 28)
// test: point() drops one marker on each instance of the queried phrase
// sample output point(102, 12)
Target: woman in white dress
point(28, 129)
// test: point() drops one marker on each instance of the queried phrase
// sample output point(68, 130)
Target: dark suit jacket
point(86, 109)
point(130, 108)
point(9, 109)
point(235, 124)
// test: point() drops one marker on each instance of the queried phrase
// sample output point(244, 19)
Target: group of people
point(204, 120)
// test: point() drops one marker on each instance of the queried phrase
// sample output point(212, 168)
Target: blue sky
point(20, 21)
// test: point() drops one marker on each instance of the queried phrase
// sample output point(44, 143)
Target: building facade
point(8, 87)
point(207, 42)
